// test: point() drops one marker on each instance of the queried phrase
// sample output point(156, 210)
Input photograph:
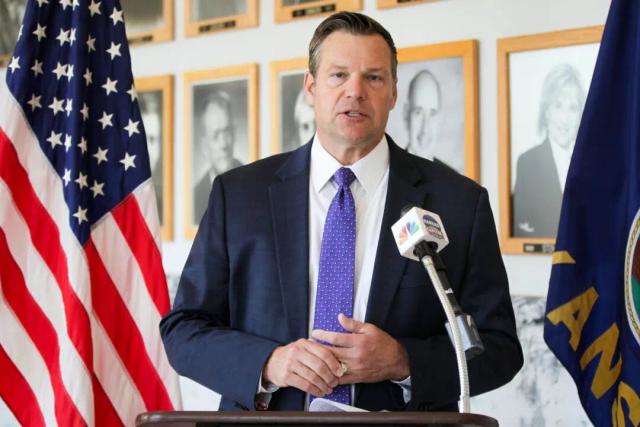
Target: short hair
point(560, 76)
point(352, 23)
point(220, 98)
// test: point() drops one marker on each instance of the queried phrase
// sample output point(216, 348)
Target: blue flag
point(593, 306)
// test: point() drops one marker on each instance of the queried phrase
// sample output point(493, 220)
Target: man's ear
point(309, 87)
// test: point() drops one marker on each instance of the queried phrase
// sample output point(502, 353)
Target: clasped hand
point(365, 354)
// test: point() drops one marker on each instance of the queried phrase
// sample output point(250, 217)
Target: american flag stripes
point(82, 288)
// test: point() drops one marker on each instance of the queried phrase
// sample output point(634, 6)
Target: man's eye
point(339, 74)
point(374, 77)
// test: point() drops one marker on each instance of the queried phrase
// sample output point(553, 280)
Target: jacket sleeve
point(197, 334)
point(484, 294)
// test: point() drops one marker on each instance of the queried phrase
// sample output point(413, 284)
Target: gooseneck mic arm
point(427, 238)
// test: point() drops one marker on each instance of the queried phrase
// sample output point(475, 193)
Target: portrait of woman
point(541, 171)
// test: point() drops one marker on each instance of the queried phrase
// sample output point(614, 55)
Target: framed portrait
point(148, 21)
point(436, 114)
point(386, 4)
point(11, 12)
point(542, 393)
point(221, 131)
point(206, 16)
point(543, 81)
point(155, 98)
point(291, 10)
point(293, 121)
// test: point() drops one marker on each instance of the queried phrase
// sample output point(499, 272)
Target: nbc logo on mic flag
point(408, 230)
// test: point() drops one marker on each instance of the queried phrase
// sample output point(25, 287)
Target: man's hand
point(369, 354)
point(305, 365)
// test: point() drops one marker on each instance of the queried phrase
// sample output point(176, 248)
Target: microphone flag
point(592, 321)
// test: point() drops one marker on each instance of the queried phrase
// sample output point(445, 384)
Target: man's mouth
point(352, 113)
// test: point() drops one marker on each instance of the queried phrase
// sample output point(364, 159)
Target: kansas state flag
point(593, 306)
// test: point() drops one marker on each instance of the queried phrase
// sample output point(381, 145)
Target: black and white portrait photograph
point(202, 10)
point(142, 16)
point(206, 16)
point(548, 89)
point(11, 12)
point(151, 112)
point(428, 119)
point(155, 98)
point(220, 138)
point(288, 10)
point(297, 115)
point(542, 394)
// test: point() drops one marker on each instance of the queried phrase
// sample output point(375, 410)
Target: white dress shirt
point(369, 191)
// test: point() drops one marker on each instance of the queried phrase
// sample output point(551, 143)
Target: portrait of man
point(220, 136)
point(298, 118)
point(151, 112)
point(202, 10)
point(541, 170)
point(11, 12)
point(430, 110)
point(142, 16)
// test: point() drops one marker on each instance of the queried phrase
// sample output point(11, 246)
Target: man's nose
point(356, 87)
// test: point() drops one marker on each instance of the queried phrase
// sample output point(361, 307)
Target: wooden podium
point(333, 419)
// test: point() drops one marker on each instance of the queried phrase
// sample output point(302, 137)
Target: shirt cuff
point(405, 385)
point(263, 394)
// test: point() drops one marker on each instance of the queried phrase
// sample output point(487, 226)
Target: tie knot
point(344, 177)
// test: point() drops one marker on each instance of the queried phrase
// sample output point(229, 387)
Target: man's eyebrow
point(368, 70)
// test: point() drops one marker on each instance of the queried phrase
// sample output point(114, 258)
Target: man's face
point(217, 138)
point(353, 91)
point(306, 123)
point(422, 116)
point(153, 130)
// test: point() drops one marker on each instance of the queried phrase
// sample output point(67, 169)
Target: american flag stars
point(40, 32)
point(94, 8)
point(15, 63)
point(100, 116)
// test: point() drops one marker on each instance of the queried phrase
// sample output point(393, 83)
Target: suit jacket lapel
point(406, 187)
point(290, 212)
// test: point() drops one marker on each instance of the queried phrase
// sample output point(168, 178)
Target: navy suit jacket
point(245, 286)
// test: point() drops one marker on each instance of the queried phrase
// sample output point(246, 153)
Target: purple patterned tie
point(337, 263)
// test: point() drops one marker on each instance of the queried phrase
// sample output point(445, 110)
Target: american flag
point(82, 288)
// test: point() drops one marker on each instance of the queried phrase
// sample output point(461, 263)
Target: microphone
point(420, 236)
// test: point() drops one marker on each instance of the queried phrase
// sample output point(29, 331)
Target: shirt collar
point(369, 170)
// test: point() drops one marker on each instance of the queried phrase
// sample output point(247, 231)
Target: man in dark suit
point(246, 315)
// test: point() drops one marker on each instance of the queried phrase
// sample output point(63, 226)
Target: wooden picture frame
point(12, 12)
point(287, 10)
point(539, 77)
point(438, 101)
point(292, 123)
point(235, 14)
point(155, 97)
point(220, 131)
point(150, 21)
point(387, 4)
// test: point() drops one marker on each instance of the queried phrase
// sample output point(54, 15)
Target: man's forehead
point(346, 50)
